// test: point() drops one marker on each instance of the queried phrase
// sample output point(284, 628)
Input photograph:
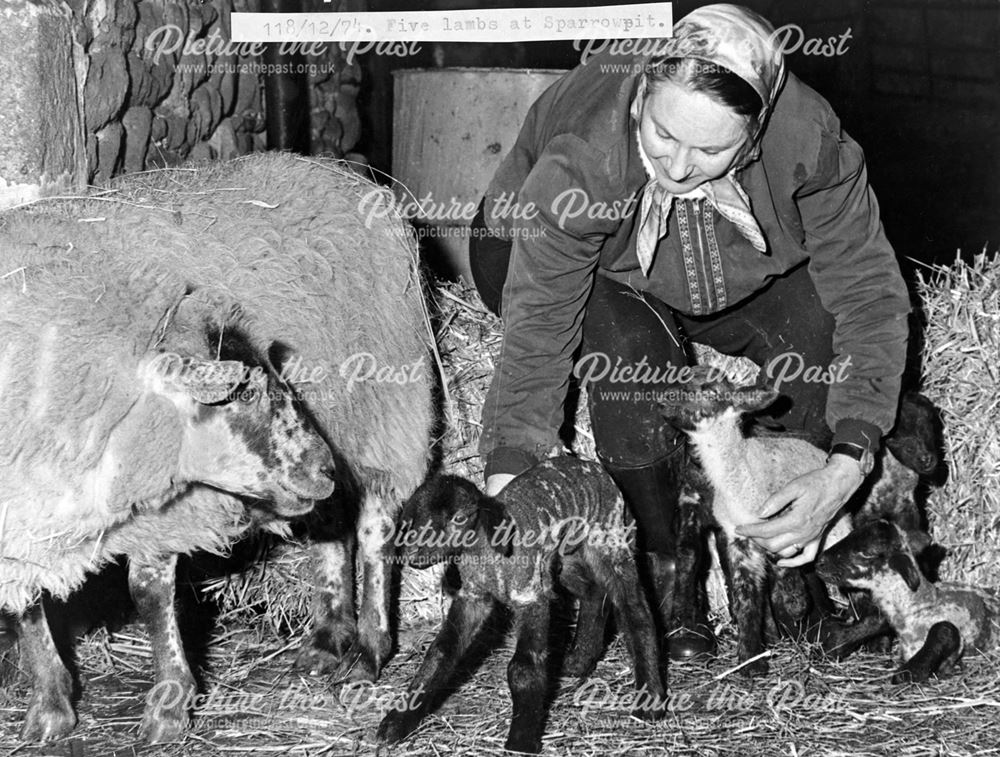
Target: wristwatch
point(863, 455)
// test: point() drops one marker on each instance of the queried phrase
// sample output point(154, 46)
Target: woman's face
point(689, 137)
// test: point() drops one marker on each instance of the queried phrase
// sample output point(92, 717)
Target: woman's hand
point(812, 501)
point(496, 482)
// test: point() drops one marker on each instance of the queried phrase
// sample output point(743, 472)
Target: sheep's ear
point(497, 528)
point(754, 399)
point(204, 381)
point(903, 564)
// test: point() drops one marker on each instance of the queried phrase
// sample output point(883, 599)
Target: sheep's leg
point(50, 711)
point(169, 701)
point(617, 574)
point(465, 618)
point(527, 676)
point(748, 573)
point(941, 648)
point(371, 648)
point(334, 625)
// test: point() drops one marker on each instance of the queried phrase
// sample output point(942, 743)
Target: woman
point(749, 226)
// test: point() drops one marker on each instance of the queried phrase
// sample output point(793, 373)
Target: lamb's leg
point(371, 649)
point(747, 568)
point(465, 617)
point(527, 676)
point(841, 640)
point(169, 701)
point(334, 625)
point(588, 640)
point(50, 711)
point(617, 574)
point(591, 617)
point(942, 646)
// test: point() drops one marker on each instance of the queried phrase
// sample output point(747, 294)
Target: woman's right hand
point(496, 482)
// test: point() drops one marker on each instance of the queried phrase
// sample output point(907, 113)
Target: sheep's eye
point(249, 394)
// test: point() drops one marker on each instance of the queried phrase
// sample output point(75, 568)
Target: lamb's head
point(244, 430)
point(916, 438)
point(447, 515)
point(873, 557)
point(707, 397)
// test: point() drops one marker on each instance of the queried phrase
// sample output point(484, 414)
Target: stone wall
point(93, 88)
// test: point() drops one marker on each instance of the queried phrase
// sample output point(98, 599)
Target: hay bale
point(961, 374)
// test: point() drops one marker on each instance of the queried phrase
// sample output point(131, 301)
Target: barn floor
point(252, 703)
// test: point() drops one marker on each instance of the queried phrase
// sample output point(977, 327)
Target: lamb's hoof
point(323, 652)
point(579, 664)
point(757, 668)
point(905, 675)
point(523, 744)
point(650, 705)
point(48, 718)
point(396, 726)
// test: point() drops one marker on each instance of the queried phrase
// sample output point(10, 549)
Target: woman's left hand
point(809, 502)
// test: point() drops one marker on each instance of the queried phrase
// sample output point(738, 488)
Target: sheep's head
point(244, 430)
point(865, 556)
point(447, 515)
point(707, 396)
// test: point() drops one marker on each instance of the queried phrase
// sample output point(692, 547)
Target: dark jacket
point(809, 192)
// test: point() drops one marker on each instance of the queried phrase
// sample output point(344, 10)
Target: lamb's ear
point(906, 566)
point(918, 540)
point(754, 399)
point(498, 530)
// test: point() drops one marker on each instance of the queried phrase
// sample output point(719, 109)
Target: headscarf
point(743, 42)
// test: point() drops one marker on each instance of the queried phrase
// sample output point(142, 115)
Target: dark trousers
point(624, 328)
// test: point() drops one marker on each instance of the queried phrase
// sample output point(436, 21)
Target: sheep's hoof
point(167, 705)
point(396, 726)
point(324, 651)
point(159, 726)
point(48, 718)
point(359, 664)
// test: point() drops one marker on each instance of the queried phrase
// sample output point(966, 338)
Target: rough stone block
point(42, 146)
point(138, 123)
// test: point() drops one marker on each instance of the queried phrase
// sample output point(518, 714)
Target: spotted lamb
point(560, 521)
point(936, 623)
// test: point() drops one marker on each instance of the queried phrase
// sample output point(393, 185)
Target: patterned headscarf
point(737, 39)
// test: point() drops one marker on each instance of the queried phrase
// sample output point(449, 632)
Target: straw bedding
point(254, 704)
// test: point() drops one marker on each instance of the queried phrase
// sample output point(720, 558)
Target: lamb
point(124, 396)
point(562, 520)
point(910, 458)
point(324, 275)
point(742, 472)
point(936, 623)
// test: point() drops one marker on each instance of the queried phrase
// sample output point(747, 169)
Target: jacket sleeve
point(554, 254)
point(858, 280)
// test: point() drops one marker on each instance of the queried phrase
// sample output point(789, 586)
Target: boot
point(651, 493)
